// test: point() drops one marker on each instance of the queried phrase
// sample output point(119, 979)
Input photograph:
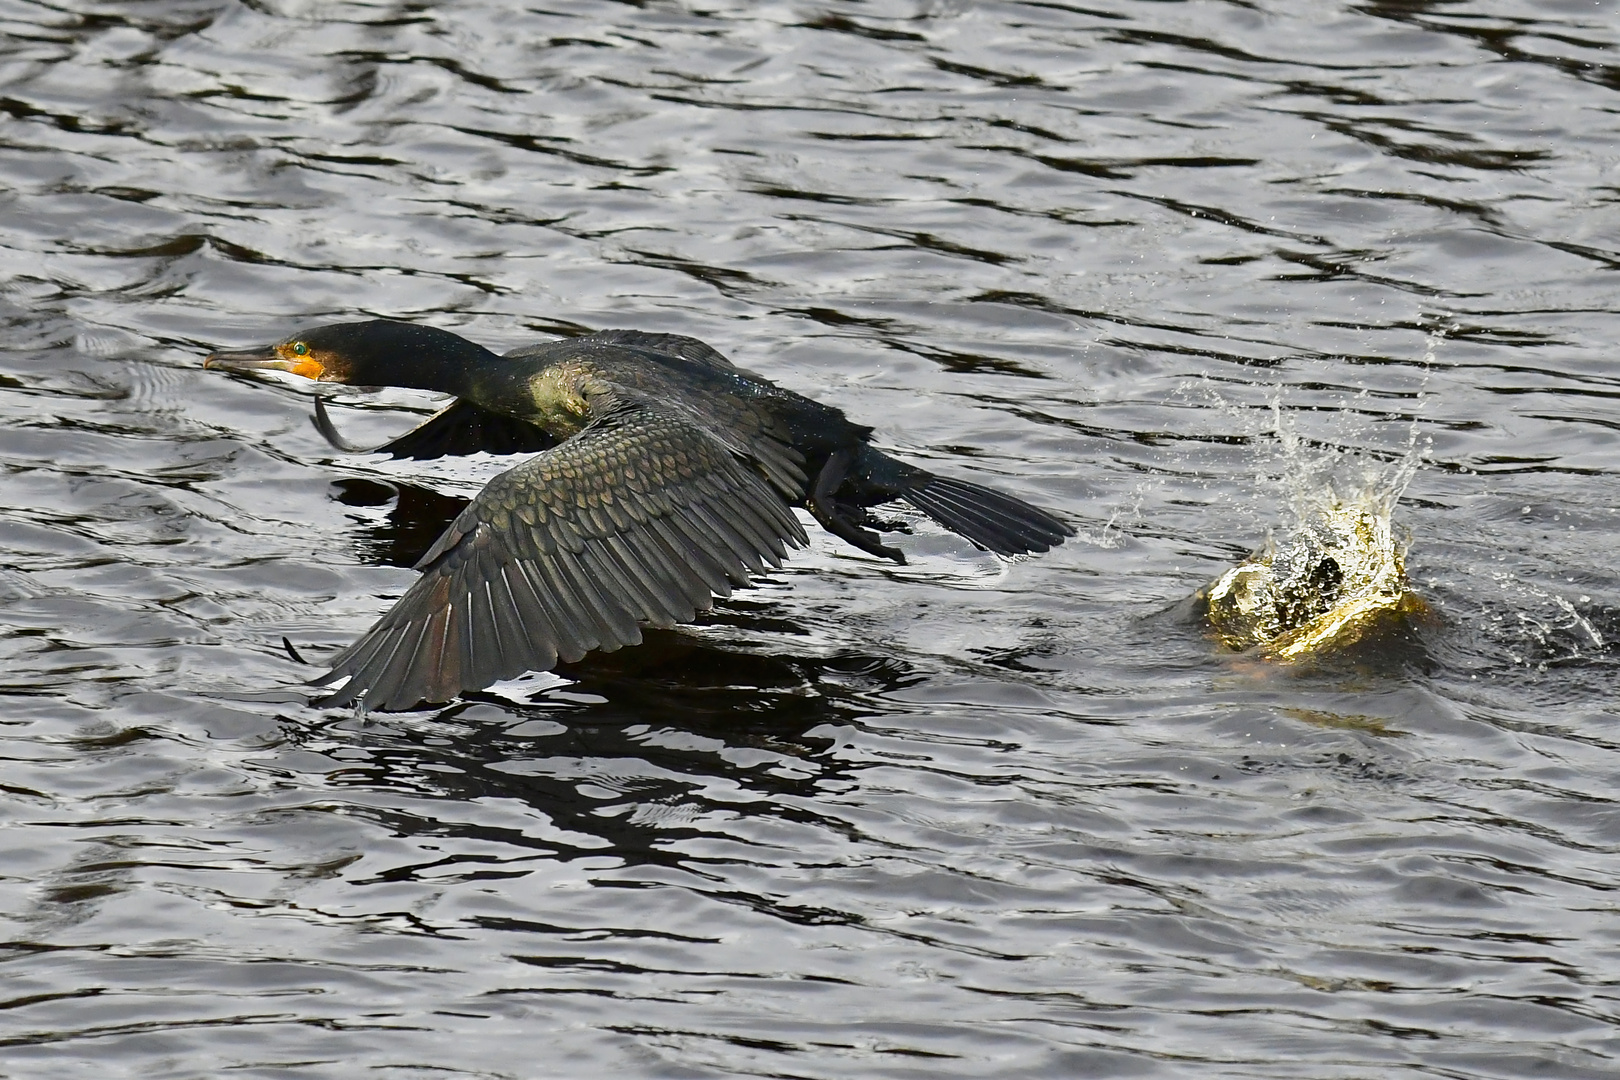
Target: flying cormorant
point(662, 476)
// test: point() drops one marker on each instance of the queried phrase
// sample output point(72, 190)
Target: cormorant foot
point(835, 517)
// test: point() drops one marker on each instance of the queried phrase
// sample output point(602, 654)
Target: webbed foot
point(836, 517)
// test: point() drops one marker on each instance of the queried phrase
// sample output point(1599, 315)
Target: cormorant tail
point(989, 518)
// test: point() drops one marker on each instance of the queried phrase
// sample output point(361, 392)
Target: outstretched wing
point(459, 428)
point(640, 519)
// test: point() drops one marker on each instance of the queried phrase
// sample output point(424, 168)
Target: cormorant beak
point(264, 358)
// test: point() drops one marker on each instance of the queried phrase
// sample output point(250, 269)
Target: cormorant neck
point(427, 358)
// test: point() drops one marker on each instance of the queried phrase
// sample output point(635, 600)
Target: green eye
point(300, 349)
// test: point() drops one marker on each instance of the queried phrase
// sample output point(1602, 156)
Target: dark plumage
point(662, 476)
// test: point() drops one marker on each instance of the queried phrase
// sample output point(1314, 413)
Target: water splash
point(1327, 583)
point(1113, 533)
point(1334, 572)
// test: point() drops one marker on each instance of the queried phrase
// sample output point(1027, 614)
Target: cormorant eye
point(300, 349)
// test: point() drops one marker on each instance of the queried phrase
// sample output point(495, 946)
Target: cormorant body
point(662, 476)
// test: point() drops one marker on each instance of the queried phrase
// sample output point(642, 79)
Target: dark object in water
point(1339, 579)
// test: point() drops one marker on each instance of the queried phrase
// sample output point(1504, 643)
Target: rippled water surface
point(1173, 269)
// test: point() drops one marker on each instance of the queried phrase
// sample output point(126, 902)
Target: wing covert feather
point(683, 375)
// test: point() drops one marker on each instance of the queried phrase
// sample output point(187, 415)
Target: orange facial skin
point(291, 356)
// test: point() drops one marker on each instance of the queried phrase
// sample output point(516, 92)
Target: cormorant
point(663, 475)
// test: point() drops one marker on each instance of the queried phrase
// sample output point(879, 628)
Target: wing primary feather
point(510, 645)
point(594, 629)
point(768, 524)
point(529, 589)
point(576, 634)
point(461, 649)
point(704, 542)
point(660, 562)
point(523, 654)
point(751, 502)
point(739, 515)
point(663, 601)
point(667, 595)
point(775, 520)
point(486, 621)
point(531, 616)
point(471, 657)
point(390, 677)
point(436, 636)
point(605, 570)
point(723, 513)
point(351, 661)
point(710, 548)
point(348, 658)
point(476, 644)
point(735, 536)
point(382, 643)
point(541, 615)
point(414, 684)
point(672, 549)
point(690, 554)
point(617, 624)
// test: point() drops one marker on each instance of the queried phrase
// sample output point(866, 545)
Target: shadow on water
point(416, 517)
point(637, 744)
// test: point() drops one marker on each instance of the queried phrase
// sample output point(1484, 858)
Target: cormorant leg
point(826, 510)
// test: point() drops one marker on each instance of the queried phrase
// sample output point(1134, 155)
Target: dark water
point(1166, 267)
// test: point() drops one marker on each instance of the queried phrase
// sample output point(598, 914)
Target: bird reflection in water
point(643, 748)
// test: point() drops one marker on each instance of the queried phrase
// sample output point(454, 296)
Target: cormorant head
point(375, 353)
